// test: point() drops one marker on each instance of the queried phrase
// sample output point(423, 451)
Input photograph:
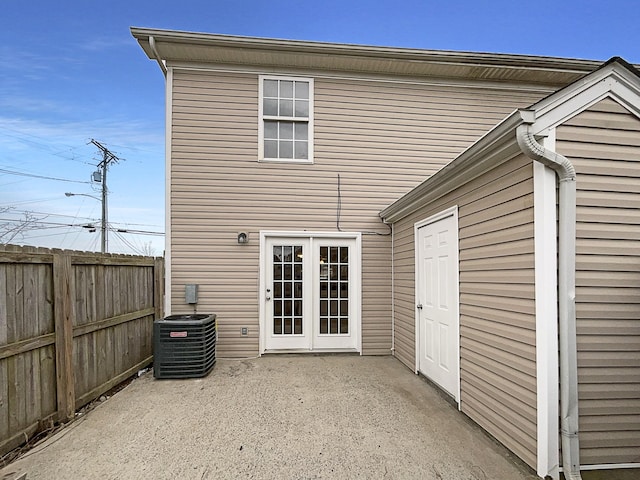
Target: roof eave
point(177, 46)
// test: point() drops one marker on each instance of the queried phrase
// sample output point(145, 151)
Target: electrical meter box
point(191, 293)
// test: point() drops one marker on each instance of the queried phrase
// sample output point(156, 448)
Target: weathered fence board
point(72, 326)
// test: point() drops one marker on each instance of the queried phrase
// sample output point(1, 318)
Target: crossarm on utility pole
point(107, 158)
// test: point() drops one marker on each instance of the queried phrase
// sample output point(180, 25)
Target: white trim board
point(546, 298)
point(610, 82)
point(609, 466)
point(167, 192)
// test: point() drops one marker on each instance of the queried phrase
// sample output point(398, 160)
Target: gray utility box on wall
point(184, 346)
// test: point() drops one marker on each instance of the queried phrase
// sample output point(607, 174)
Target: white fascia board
point(613, 81)
point(171, 45)
point(466, 58)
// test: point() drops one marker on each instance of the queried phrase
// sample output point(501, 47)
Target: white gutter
point(567, 290)
point(152, 44)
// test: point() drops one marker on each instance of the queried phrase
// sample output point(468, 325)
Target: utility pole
point(107, 159)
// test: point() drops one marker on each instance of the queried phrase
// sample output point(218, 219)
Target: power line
point(41, 222)
point(127, 243)
point(43, 146)
point(90, 219)
point(137, 232)
point(57, 215)
point(36, 200)
point(41, 225)
point(22, 174)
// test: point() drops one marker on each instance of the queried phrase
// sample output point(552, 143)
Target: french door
point(311, 293)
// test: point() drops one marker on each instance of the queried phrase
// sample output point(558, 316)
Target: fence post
point(63, 318)
point(158, 287)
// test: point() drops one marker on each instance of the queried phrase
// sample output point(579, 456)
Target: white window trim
point(261, 158)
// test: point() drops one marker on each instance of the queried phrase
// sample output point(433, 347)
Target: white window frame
point(261, 119)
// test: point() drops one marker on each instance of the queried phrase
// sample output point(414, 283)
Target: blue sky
point(70, 71)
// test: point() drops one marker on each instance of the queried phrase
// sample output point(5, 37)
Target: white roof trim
point(615, 79)
point(192, 47)
point(612, 80)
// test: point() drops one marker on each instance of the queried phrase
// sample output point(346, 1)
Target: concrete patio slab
point(285, 416)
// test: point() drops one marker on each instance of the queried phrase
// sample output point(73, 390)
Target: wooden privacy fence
point(72, 326)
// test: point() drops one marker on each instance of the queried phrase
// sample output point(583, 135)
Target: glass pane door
point(288, 281)
point(334, 290)
point(311, 297)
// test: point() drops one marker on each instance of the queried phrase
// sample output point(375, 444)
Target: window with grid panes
point(286, 119)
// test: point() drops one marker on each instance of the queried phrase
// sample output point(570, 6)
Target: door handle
point(419, 306)
point(268, 296)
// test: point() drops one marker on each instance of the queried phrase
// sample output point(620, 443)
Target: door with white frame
point(311, 292)
point(437, 318)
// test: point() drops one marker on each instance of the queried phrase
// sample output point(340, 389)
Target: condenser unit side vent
point(184, 346)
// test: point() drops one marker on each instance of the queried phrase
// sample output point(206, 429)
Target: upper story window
point(286, 119)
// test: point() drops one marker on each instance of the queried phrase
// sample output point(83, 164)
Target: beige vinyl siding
point(382, 138)
point(604, 145)
point(497, 310)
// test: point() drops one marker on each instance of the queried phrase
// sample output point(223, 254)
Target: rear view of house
point(314, 189)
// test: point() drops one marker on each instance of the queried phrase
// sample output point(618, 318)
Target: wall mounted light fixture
point(243, 237)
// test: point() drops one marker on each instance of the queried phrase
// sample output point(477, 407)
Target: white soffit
point(176, 46)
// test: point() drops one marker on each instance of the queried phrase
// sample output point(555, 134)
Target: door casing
point(450, 212)
point(355, 278)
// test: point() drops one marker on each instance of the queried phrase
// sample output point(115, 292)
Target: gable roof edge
point(616, 79)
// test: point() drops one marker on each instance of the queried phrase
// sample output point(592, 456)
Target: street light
point(103, 223)
point(69, 194)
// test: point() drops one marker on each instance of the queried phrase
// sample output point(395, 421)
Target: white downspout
point(152, 44)
point(393, 291)
point(567, 291)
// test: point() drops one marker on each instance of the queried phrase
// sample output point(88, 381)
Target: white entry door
point(311, 299)
point(437, 321)
point(287, 293)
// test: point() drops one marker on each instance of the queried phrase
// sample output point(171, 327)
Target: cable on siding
point(339, 206)
point(339, 210)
